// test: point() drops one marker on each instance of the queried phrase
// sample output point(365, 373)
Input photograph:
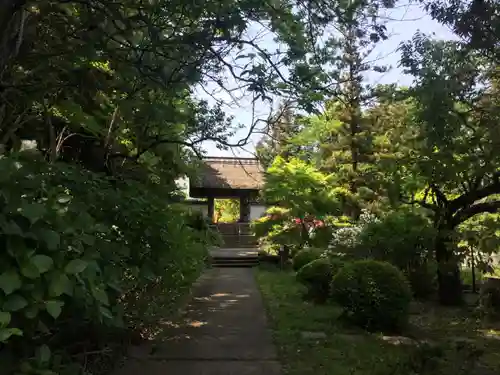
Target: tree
point(454, 164)
point(477, 22)
point(395, 133)
point(301, 187)
point(277, 141)
point(359, 30)
point(324, 41)
point(478, 240)
point(124, 86)
point(340, 133)
point(303, 196)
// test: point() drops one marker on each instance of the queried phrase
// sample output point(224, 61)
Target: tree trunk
point(449, 282)
point(11, 25)
point(473, 270)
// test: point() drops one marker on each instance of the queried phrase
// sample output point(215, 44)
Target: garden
point(356, 283)
point(367, 303)
point(383, 225)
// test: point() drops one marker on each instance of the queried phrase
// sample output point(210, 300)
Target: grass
point(347, 350)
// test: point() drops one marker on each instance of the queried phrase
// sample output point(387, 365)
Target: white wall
point(257, 211)
point(183, 185)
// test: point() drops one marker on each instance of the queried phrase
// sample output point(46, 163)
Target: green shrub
point(316, 276)
point(78, 249)
point(305, 256)
point(404, 239)
point(375, 295)
point(321, 237)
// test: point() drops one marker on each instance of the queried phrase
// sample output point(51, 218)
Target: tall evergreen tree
point(277, 141)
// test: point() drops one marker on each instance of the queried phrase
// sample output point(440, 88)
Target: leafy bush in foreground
point(305, 256)
point(317, 276)
point(375, 295)
point(77, 248)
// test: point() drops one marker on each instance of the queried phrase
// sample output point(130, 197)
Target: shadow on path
point(222, 331)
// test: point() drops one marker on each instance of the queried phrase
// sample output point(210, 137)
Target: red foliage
point(309, 221)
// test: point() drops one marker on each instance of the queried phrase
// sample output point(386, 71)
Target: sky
point(402, 23)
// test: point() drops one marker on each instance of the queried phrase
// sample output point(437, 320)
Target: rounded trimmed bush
point(316, 276)
point(305, 256)
point(375, 295)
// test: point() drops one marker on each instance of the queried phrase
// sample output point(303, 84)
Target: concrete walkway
point(223, 331)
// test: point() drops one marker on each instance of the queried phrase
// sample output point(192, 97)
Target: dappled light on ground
point(224, 320)
point(169, 330)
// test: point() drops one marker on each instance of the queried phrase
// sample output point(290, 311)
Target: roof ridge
point(232, 160)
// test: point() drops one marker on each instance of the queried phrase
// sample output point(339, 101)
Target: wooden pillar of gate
point(244, 209)
point(211, 208)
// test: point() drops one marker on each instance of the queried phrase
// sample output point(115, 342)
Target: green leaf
point(63, 198)
point(147, 273)
point(100, 295)
point(42, 327)
point(10, 281)
point(43, 354)
point(32, 211)
point(15, 302)
point(42, 262)
point(88, 239)
point(30, 270)
point(115, 287)
point(6, 333)
point(37, 291)
point(106, 312)
point(54, 308)
point(11, 228)
point(4, 319)
point(101, 228)
point(75, 266)
point(31, 312)
point(50, 237)
point(59, 284)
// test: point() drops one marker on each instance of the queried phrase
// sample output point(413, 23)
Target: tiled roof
point(230, 173)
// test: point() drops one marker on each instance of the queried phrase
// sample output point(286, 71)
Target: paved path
point(223, 331)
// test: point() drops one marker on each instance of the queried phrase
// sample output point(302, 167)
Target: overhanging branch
point(469, 198)
point(463, 215)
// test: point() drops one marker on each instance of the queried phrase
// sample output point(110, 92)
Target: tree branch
point(469, 198)
point(467, 213)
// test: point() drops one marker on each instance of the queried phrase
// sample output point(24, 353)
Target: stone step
point(242, 261)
